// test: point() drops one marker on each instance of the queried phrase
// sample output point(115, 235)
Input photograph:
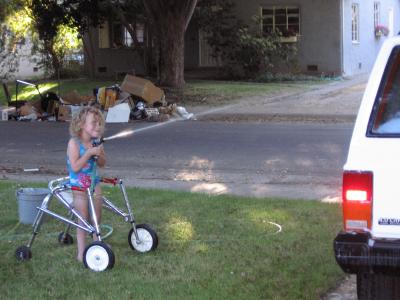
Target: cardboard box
point(64, 113)
point(26, 109)
point(73, 97)
point(142, 88)
point(37, 106)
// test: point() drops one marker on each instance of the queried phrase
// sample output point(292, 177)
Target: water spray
point(124, 133)
point(129, 132)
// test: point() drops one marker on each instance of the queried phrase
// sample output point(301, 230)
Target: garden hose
point(110, 231)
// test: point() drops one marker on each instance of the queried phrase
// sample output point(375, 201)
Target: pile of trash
point(135, 99)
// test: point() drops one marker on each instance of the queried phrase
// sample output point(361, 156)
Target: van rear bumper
point(355, 252)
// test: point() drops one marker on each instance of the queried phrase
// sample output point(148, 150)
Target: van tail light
point(357, 200)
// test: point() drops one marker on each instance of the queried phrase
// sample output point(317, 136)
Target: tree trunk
point(55, 61)
point(172, 52)
point(89, 52)
point(170, 20)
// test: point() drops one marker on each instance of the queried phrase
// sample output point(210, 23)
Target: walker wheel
point(98, 257)
point(23, 253)
point(148, 239)
point(65, 238)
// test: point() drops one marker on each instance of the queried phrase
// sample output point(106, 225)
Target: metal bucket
point(28, 201)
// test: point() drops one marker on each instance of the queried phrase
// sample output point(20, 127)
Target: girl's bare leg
point(81, 205)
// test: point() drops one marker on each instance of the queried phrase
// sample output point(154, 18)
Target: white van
point(369, 244)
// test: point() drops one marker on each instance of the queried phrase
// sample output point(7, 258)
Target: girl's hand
point(95, 151)
point(102, 153)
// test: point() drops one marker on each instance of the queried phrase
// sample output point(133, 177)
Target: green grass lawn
point(210, 247)
point(223, 92)
point(196, 92)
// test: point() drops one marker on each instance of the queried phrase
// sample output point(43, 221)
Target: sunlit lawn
point(206, 92)
point(83, 86)
point(211, 247)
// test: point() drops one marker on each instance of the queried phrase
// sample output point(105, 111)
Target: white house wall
point(28, 68)
point(27, 64)
point(360, 57)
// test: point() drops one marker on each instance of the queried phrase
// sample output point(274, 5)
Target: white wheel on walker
point(147, 241)
point(98, 257)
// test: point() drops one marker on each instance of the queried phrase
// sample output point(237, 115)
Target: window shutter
point(104, 36)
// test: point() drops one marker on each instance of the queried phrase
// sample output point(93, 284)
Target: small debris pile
point(136, 99)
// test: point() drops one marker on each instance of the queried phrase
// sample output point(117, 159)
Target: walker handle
point(112, 181)
point(52, 183)
point(77, 188)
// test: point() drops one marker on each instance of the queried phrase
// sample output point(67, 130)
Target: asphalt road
point(296, 160)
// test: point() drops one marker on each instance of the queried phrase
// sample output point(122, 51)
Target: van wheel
point(377, 286)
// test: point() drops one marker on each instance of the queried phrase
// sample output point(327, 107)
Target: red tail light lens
point(357, 200)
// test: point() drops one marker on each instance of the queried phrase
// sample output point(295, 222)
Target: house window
point(286, 19)
point(122, 37)
point(140, 32)
point(355, 24)
point(127, 39)
point(119, 36)
point(377, 14)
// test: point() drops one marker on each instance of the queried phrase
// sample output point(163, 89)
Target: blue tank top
point(83, 178)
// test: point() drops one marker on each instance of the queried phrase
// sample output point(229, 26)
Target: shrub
point(244, 51)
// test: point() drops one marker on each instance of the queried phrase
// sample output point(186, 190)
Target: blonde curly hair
point(79, 119)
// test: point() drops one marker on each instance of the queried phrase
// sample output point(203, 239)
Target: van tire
point(377, 286)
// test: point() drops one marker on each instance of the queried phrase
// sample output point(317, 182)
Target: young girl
point(85, 126)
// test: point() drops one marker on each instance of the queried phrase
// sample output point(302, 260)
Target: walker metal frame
point(98, 256)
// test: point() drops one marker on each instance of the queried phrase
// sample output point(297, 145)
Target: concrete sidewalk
point(337, 101)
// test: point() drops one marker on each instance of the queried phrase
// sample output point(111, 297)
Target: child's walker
point(98, 256)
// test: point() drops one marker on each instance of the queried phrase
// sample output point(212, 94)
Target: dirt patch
point(346, 290)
